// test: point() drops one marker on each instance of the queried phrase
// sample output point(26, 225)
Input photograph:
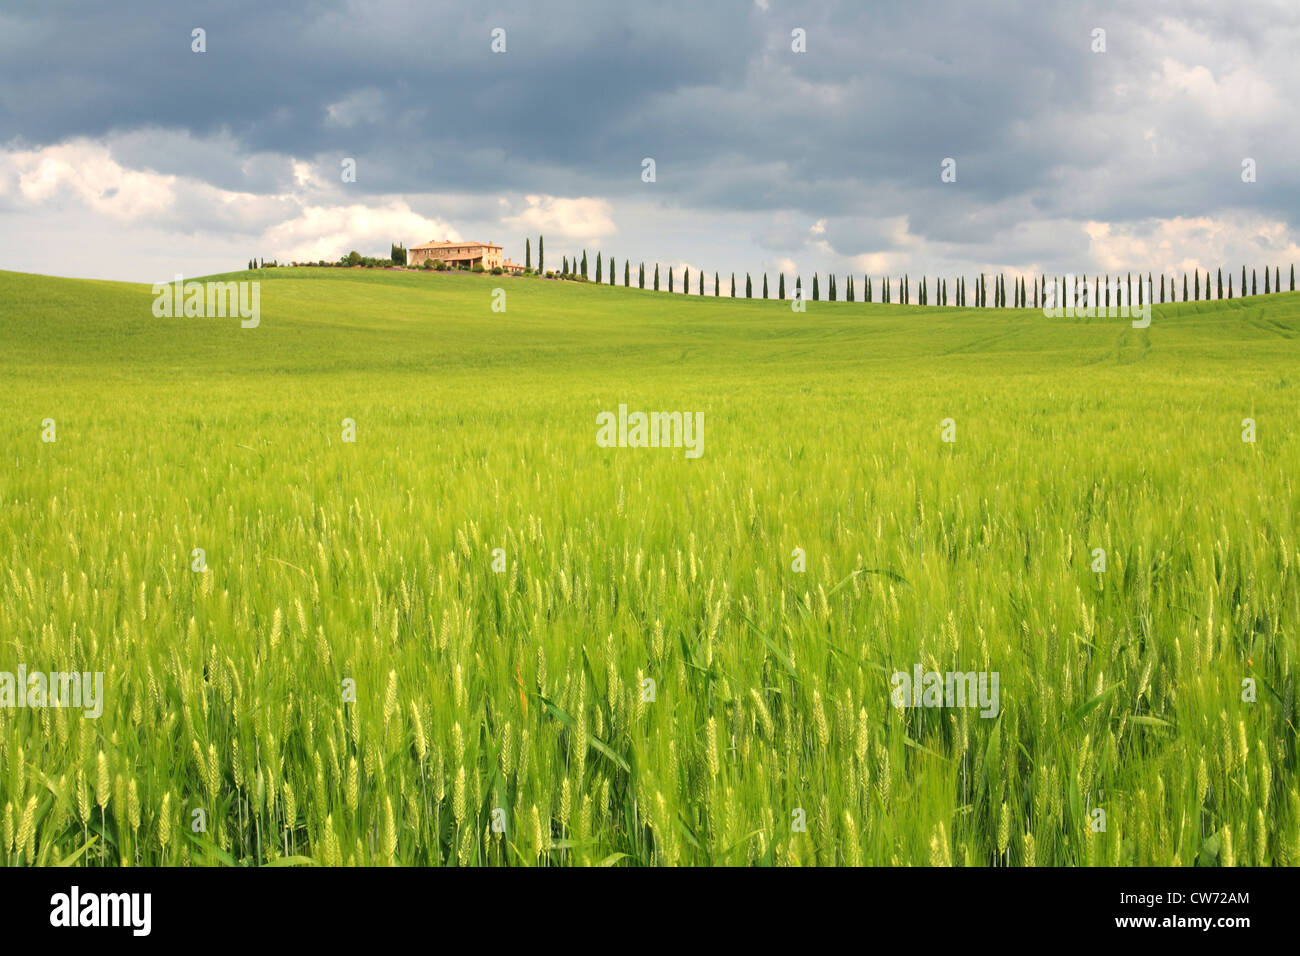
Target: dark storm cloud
point(853, 131)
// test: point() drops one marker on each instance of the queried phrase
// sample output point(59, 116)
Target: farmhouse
point(468, 254)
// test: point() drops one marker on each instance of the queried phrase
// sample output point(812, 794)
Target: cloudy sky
point(125, 154)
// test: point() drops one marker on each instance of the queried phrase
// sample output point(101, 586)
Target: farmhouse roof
point(436, 244)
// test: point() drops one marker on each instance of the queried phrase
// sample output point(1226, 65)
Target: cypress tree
point(765, 285)
point(849, 291)
point(815, 291)
point(780, 287)
point(1266, 288)
point(830, 287)
point(656, 277)
point(798, 287)
point(670, 278)
point(584, 263)
point(528, 253)
point(749, 287)
point(564, 267)
point(1243, 280)
point(1254, 283)
point(1184, 286)
point(866, 288)
point(641, 276)
point(1293, 277)
point(1162, 287)
point(686, 280)
point(1196, 285)
point(584, 268)
point(613, 275)
point(1229, 286)
point(701, 283)
point(627, 273)
point(733, 285)
point(717, 286)
point(1220, 284)
point(1277, 279)
point(540, 255)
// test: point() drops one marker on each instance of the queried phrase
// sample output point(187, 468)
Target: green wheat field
point(501, 717)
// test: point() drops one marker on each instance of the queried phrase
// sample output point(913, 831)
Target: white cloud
point(319, 232)
point(581, 218)
point(86, 171)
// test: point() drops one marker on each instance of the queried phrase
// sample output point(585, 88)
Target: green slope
point(476, 430)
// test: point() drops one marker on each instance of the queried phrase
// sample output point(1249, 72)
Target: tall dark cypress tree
point(1266, 287)
point(1220, 284)
point(541, 256)
point(701, 282)
point(564, 267)
point(670, 278)
point(584, 263)
point(1196, 285)
point(640, 279)
point(1293, 277)
point(780, 287)
point(765, 285)
point(830, 282)
point(1184, 286)
point(528, 253)
point(749, 287)
point(627, 273)
point(1162, 285)
point(815, 289)
point(1277, 279)
point(866, 288)
point(798, 287)
point(686, 280)
point(656, 277)
point(1243, 281)
point(849, 291)
point(717, 286)
point(598, 272)
point(733, 285)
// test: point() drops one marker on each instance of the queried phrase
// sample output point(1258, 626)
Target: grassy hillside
point(521, 691)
